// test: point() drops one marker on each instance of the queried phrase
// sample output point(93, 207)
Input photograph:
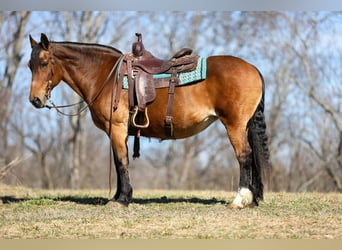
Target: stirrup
point(135, 112)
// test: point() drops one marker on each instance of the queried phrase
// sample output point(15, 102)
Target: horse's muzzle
point(37, 102)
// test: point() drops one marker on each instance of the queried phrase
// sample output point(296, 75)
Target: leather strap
point(130, 83)
point(131, 103)
point(168, 118)
point(118, 83)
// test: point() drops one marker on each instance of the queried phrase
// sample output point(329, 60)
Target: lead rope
point(110, 140)
point(114, 102)
point(57, 108)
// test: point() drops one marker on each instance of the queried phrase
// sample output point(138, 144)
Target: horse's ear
point(44, 41)
point(32, 41)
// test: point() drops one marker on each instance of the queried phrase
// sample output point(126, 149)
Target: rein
point(58, 107)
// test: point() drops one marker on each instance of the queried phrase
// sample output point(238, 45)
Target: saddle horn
point(138, 47)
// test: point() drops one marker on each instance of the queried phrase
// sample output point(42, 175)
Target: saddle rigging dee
point(139, 67)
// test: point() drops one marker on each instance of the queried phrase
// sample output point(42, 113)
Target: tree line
point(299, 54)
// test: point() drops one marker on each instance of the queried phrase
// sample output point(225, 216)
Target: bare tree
point(13, 25)
point(317, 81)
point(89, 27)
point(297, 52)
point(6, 168)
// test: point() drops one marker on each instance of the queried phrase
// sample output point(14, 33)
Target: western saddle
point(139, 66)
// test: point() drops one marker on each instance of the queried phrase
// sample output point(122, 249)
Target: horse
point(233, 93)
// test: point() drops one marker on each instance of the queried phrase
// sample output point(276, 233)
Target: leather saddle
point(140, 66)
point(152, 65)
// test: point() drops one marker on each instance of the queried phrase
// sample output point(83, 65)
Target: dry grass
point(26, 213)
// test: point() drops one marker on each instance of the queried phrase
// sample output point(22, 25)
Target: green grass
point(162, 214)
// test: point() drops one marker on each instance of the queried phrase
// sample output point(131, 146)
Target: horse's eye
point(44, 64)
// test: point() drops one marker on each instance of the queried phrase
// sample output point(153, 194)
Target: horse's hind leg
point(238, 138)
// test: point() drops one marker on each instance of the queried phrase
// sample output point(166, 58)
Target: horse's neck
point(82, 69)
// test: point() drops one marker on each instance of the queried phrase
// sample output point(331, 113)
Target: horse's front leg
point(124, 189)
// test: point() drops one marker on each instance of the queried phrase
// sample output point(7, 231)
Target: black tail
point(258, 142)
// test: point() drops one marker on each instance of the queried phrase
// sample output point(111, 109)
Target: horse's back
point(230, 66)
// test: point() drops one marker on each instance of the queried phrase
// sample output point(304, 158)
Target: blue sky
point(216, 5)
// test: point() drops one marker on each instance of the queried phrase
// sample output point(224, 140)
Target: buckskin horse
point(233, 92)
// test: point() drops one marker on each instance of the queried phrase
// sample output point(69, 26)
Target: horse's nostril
point(36, 102)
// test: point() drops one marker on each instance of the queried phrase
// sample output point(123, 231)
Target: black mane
point(89, 44)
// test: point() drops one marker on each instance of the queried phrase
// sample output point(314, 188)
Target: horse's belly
point(183, 129)
point(195, 128)
point(192, 112)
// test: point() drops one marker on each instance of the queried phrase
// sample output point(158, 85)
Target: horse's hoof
point(243, 199)
point(233, 206)
point(236, 207)
point(118, 204)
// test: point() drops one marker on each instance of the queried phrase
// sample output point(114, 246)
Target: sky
point(171, 5)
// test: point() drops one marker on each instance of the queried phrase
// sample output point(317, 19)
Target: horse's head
point(45, 74)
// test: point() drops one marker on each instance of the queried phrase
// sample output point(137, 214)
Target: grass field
point(163, 214)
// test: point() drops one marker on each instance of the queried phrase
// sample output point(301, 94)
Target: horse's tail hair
point(258, 141)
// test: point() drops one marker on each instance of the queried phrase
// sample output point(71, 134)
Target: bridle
point(114, 103)
point(58, 107)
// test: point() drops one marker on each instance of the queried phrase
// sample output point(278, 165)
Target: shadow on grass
point(166, 200)
point(103, 201)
